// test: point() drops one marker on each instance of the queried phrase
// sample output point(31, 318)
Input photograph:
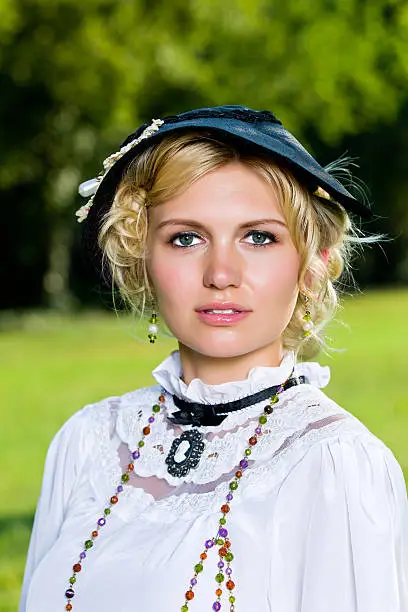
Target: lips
point(222, 307)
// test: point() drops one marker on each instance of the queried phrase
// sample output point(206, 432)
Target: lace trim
point(298, 407)
point(274, 454)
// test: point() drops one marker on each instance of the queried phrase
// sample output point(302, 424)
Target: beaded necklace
point(221, 538)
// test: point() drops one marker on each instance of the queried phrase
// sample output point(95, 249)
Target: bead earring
point(308, 323)
point(153, 328)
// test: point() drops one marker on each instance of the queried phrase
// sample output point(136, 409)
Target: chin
point(222, 348)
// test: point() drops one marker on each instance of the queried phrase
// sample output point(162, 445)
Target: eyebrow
point(191, 223)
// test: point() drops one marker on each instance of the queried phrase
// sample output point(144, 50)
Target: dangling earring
point(153, 328)
point(308, 323)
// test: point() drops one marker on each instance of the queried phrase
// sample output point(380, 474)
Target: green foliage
point(77, 78)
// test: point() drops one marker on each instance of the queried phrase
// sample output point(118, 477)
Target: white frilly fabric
point(319, 522)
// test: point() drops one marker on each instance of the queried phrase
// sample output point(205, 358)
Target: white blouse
point(319, 522)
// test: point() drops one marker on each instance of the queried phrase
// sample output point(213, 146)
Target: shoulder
point(99, 419)
point(340, 448)
point(334, 435)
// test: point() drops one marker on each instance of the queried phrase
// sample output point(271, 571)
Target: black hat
point(256, 129)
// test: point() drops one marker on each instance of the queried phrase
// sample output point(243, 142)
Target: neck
point(217, 370)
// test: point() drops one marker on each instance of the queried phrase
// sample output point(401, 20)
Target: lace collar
point(168, 375)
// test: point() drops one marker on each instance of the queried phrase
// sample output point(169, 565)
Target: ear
point(325, 256)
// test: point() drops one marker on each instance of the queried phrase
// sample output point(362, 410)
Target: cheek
point(170, 281)
point(276, 281)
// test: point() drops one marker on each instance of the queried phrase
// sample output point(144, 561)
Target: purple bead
point(228, 571)
point(220, 564)
point(101, 522)
point(230, 496)
point(151, 419)
point(119, 488)
point(82, 555)
point(216, 605)
point(193, 581)
point(258, 430)
point(243, 463)
point(209, 544)
point(69, 593)
point(136, 454)
point(223, 532)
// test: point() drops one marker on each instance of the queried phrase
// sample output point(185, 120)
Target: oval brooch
point(185, 453)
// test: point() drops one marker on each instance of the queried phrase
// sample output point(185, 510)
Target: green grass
point(51, 366)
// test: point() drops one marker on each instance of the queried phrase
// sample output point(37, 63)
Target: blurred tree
point(76, 78)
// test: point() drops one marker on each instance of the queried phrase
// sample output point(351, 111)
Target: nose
point(223, 267)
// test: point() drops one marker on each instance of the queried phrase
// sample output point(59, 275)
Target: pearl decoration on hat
point(89, 188)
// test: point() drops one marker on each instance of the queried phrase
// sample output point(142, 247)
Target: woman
point(235, 483)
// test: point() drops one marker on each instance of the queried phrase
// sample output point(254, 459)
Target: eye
point(261, 238)
point(185, 239)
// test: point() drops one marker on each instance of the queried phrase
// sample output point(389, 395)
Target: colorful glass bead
point(88, 544)
point(189, 595)
point(69, 593)
point(114, 499)
point(262, 419)
point(230, 585)
point(252, 440)
point(216, 606)
point(219, 578)
point(77, 567)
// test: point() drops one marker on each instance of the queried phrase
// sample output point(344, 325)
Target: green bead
point(156, 408)
point(274, 399)
point(88, 544)
point(198, 568)
point(233, 485)
point(107, 511)
point(223, 521)
point(125, 477)
point(219, 578)
point(307, 317)
point(307, 333)
point(262, 419)
point(231, 599)
point(248, 452)
point(141, 443)
point(72, 580)
point(229, 556)
point(219, 541)
point(184, 608)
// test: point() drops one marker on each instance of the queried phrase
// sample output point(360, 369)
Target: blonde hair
point(166, 169)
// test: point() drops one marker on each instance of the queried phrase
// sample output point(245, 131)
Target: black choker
point(196, 414)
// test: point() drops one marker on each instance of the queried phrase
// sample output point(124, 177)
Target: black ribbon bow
point(194, 413)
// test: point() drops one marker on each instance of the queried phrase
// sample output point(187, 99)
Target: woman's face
point(223, 245)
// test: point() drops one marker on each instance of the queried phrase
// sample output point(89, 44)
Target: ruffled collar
point(168, 374)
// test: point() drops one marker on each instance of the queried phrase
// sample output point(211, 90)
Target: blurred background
point(76, 79)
